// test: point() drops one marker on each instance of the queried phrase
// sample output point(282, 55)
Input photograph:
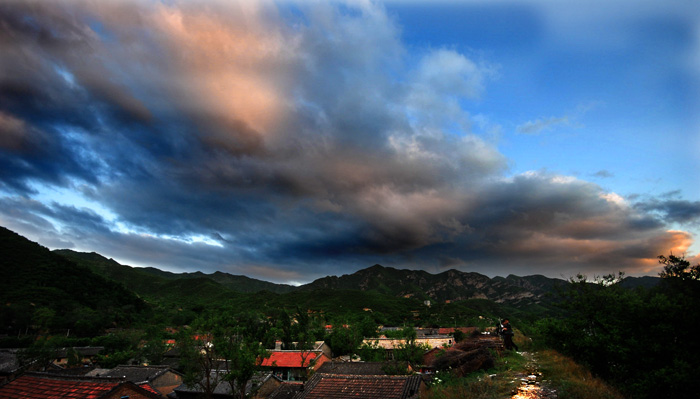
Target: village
point(313, 372)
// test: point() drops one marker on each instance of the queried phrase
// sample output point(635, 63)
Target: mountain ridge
point(447, 286)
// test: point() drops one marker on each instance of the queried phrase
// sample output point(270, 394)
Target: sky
point(292, 140)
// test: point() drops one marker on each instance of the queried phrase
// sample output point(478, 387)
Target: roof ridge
point(295, 350)
point(55, 376)
point(367, 375)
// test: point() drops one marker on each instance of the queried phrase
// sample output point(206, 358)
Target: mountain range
point(448, 286)
point(32, 275)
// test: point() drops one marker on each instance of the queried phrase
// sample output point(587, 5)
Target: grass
point(571, 380)
point(481, 385)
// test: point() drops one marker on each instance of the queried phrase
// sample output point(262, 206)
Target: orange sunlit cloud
point(228, 65)
point(674, 242)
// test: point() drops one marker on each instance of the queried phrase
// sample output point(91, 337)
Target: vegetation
point(41, 292)
point(561, 374)
point(637, 335)
point(223, 347)
point(639, 340)
point(571, 380)
point(480, 385)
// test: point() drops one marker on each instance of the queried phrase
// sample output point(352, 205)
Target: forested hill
point(451, 285)
point(88, 290)
point(139, 279)
point(39, 287)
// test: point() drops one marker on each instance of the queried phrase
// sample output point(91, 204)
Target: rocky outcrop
point(451, 285)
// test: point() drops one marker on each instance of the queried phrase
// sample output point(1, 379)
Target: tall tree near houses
point(198, 359)
point(305, 339)
point(222, 347)
point(242, 347)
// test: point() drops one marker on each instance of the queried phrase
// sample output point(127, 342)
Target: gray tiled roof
point(336, 386)
point(8, 361)
point(356, 368)
point(134, 374)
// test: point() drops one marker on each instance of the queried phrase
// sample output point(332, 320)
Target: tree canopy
point(643, 340)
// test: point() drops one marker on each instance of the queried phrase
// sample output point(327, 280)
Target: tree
point(459, 335)
point(641, 340)
point(601, 315)
point(343, 340)
point(222, 347)
point(678, 268)
point(371, 352)
point(409, 350)
point(43, 318)
point(154, 346)
point(305, 339)
point(243, 354)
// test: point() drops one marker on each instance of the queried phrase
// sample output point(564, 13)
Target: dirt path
point(532, 385)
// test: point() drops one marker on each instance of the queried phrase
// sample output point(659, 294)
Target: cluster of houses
point(288, 374)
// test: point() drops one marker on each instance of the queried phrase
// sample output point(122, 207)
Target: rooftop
point(290, 358)
point(135, 374)
point(43, 386)
point(334, 386)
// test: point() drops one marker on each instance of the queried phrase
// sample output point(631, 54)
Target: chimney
point(278, 345)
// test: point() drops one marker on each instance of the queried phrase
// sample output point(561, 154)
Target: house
point(336, 386)
point(260, 386)
point(365, 368)
point(172, 358)
point(162, 378)
point(451, 330)
point(317, 346)
point(9, 364)
point(294, 365)
point(429, 358)
point(86, 355)
point(287, 390)
point(44, 386)
point(392, 343)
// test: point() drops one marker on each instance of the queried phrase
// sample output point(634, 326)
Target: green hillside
point(79, 286)
point(149, 281)
point(42, 290)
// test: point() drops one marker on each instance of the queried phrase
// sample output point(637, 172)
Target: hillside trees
point(641, 340)
point(42, 292)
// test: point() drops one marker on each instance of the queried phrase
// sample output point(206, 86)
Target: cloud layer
point(285, 142)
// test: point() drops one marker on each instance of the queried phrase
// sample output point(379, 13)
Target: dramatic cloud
point(284, 141)
point(674, 210)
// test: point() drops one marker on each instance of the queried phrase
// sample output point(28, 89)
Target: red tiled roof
point(36, 387)
point(336, 386)
point(149, 388)
point(289, 359)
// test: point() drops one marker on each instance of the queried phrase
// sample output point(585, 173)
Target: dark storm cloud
point(63, 104)
point(673, 210)
point(551, 224)
point(236, 137)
